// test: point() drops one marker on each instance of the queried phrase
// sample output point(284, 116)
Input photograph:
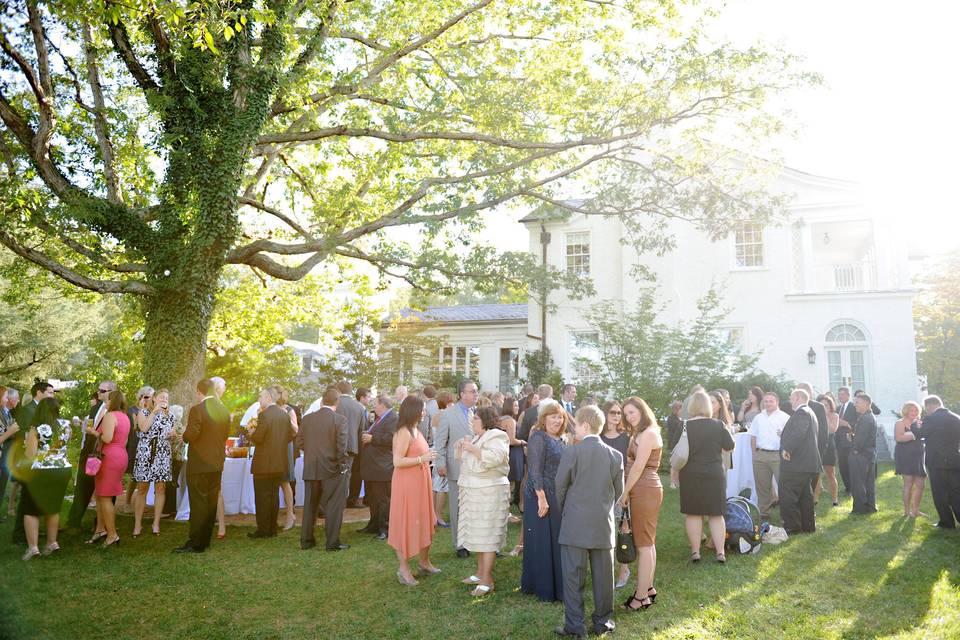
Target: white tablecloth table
point(236, 487)
point(740, 477)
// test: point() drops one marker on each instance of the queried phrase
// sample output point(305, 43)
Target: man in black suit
point(271, 435)
point(941, 431)
point(847, 411)
point(568, 397)
point(355, 415)
point(376, 466)
point(863, 458)
point(674, 425)
point(799, 466)
point(823, 433)
point(324, 440)
point(523, 402)
point(529, 418)
point(17, 448)
point(208, 424)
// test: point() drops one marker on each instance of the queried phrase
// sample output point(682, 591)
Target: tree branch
point(137, 287)
point(121, 44)
point(97, 257)
point(34, 359)
point(293, 224)
point(99, 118)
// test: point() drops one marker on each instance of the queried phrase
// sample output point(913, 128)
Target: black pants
point(266, 496)
point(863, 477)
point(945, 487)
point(82, 492)
point(796, 501)
point(330, 495)
point(843, 463)
point(170, 506)
point(204, 491)
point(355, 481)
point(378, 499)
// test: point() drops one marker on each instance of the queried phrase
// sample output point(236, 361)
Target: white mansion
point(824, 298)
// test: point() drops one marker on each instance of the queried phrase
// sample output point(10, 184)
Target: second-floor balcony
point(860, 275)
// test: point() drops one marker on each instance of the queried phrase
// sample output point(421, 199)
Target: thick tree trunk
point(176, 339)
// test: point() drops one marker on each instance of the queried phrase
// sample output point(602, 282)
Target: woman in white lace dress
point(154, 459)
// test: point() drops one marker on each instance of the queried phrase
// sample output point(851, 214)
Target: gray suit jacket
point(589, 482)
point(323, 439)
point(453, 426)
point(356, 417)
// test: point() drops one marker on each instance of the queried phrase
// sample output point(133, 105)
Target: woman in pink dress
point(113, 432)
point(412, 517)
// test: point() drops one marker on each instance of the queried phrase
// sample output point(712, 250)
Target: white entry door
point(847, 367)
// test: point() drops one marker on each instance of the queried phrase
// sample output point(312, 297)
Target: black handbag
point(626, 549)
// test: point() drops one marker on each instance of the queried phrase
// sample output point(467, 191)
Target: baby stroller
point(742, 520)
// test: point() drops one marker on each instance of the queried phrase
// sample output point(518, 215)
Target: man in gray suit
point(589, 483)
point(455, 425)
point(356, 416)
point(323, 438)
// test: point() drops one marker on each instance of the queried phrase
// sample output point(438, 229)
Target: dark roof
point(551, 211)
point(470, 313)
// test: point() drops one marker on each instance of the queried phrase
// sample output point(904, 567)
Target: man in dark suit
point(823, 433)
point(523, 402)
point(674, 425)
point(568, 397)
point(941, 432)
point(799, 465)
point(847, 411)
point(589, 483)
point(355, 415)
point(362, 396)
point(324, 440)
point(376, 465)
point(271, 435)
point(863, 458)
point(208, 424)
point(84, 485)
point(529, 418)
point(17, 447)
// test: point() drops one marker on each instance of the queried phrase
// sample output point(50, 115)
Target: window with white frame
point(578, 253)
point(748, 245)
point(732, 336)
point(584, 350)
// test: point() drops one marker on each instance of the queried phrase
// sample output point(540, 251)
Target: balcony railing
point(847, 276)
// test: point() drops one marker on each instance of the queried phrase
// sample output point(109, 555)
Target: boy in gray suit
point(589, 483)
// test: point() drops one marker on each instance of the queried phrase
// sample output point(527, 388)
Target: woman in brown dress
point(643, 493)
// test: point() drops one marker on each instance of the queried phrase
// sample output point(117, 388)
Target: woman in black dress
point(908, 458)
point(703, 490)
point(828, 449)
point(615, 436)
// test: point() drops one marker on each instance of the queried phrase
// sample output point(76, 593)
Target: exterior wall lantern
point(812, 356)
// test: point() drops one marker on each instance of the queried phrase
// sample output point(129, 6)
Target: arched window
point(847, 356)
point(845, 333)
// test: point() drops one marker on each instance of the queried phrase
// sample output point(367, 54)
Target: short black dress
point(908, 456)
point(703, 485)
point(828, 449)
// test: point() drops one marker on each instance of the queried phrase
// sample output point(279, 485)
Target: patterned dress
point(154, 453)
point(47, 484)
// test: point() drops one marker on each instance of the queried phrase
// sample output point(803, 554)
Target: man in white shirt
point(765, 430)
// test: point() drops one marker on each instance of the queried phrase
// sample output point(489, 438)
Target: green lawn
point(857, 577)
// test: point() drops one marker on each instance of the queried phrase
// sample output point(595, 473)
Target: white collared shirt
point(767, 427)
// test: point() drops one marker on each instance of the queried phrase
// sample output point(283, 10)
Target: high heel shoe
point(644, 603)
point(407, 583)
point(290, 525)
point(428, 572)
point(113, 543)
point(32, 552)
point(652, 594)
point(99, 535)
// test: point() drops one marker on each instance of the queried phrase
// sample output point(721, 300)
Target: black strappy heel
point(652, 594)
point(644, 603)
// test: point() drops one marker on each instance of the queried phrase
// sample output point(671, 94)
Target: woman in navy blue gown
point(542, 574)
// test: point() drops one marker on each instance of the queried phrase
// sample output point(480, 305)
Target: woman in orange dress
point(412, 518)
point(643, 492)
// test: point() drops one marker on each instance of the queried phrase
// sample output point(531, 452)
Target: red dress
point(412, 519)
point(109, 480)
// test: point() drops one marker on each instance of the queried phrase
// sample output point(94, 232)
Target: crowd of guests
point(577, 474)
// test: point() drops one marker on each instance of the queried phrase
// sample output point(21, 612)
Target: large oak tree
point(150, 143)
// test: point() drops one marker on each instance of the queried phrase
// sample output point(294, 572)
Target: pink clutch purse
point(92, 467)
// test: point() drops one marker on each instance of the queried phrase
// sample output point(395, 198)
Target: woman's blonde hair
point(700, 405)
point(647, 419)
point(907, 405)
